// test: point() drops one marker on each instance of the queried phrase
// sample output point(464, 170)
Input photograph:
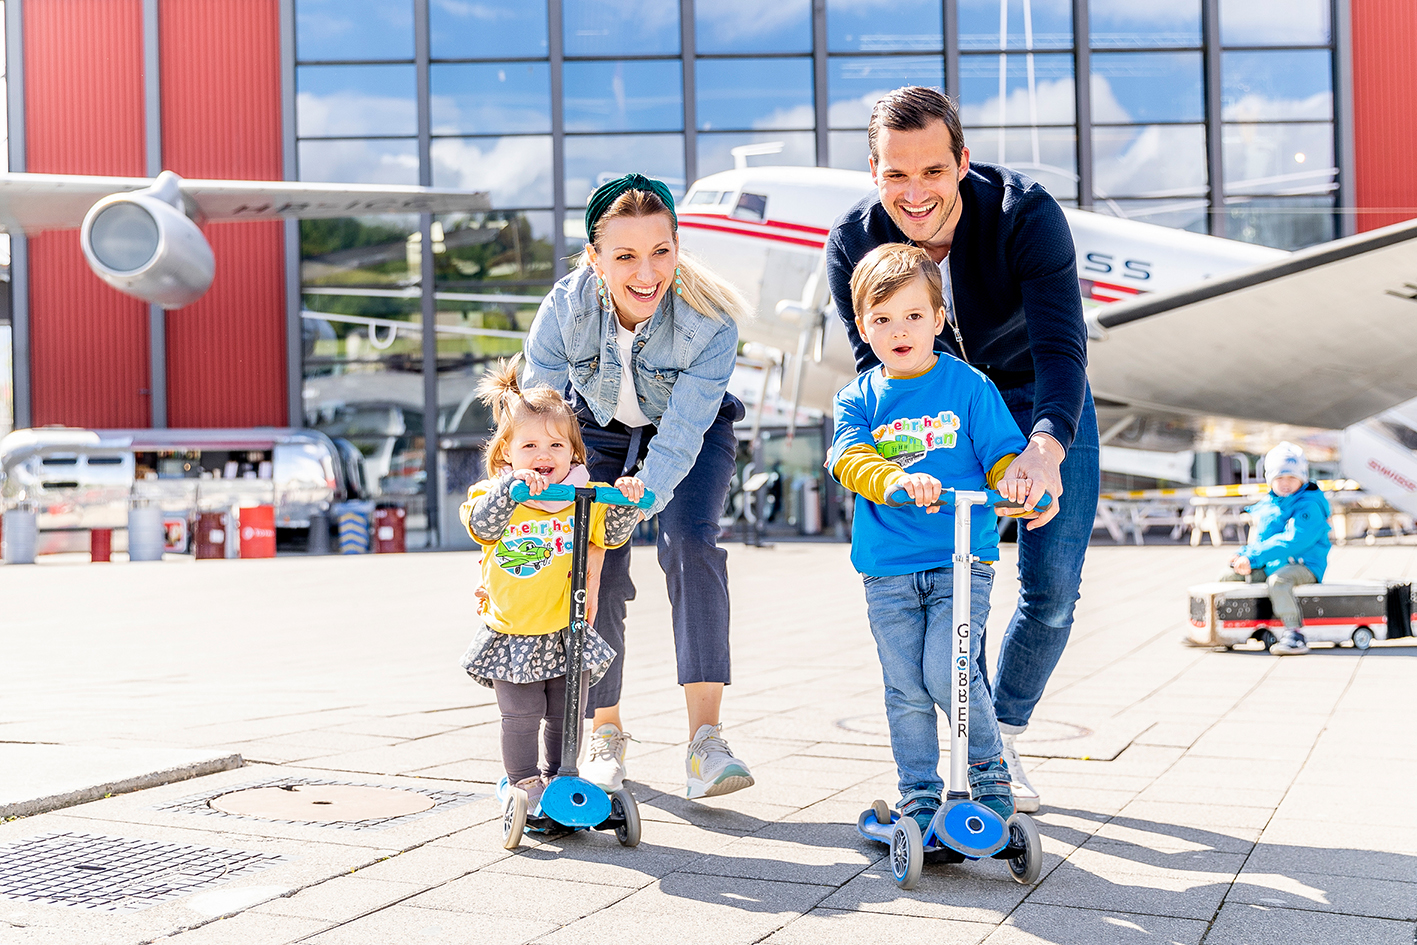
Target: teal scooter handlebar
point(605, 495)
point(899, 497)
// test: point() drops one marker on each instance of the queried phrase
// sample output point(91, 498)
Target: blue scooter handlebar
point(605, 495)
point(899, 497)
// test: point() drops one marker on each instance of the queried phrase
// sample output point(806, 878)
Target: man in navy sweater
point(1013, 311)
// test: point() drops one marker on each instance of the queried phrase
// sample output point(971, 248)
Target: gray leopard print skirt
point(531, 658)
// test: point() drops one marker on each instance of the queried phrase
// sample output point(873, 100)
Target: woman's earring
point(601, 291)
point(678, 282)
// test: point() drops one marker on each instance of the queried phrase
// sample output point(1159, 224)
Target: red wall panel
point(84, 115)
point(221, 118)
point(1384, 101)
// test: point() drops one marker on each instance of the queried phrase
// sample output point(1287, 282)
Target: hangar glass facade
point(1210, 115)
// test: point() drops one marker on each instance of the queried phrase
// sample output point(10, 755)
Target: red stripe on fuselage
point(765, 231)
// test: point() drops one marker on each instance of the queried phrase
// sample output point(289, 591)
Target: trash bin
point(100, 544)
point(353, 519)
point(317, 539)
point(210, 538)
point(389, 531)
point(258, 531)
point(809, 506)
point(20, 537)
point(147, 535)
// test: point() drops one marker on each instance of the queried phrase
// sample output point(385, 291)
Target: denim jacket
point(682, 360)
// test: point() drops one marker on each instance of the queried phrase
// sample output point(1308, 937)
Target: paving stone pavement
point(1190, 796)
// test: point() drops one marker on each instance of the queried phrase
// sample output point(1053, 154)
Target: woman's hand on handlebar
point(535, 481)
point(923, 488)
point(631, 488)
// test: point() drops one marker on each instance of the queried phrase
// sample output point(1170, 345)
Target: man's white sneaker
point(710, 768)
point(605, 758)
point(1025, 797)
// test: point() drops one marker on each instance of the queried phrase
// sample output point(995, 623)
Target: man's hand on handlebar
point(1015, 490)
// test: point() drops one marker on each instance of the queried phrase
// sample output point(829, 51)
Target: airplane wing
point(1325, 337)
point(34, 202)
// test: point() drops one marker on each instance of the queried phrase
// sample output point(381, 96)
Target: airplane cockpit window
point(751, 207)
point(727, 197)
point(701, 197)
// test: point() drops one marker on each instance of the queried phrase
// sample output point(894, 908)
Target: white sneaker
point(710, 768)
point(605, 758)
point(1025, 797)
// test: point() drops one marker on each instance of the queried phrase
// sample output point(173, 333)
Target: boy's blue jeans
point(912, 619)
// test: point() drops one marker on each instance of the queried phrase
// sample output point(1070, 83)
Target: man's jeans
point(1049, 570)
point(1281, 590)
point(912, 619)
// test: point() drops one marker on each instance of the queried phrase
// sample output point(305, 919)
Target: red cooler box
point(209, 539)
point(258, 532)
point(389, 535)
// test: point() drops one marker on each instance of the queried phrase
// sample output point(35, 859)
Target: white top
point(947, 289)
point(627, 409)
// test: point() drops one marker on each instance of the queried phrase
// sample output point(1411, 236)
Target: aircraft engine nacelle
point(144, 245)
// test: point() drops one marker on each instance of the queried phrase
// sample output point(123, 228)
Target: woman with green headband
point(643, 340)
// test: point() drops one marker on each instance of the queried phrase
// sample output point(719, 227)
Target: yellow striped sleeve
point(866, 473)
point(999, 469)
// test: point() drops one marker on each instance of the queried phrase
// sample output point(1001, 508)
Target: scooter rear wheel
point(513, 818)
point(907, 853)
point(623, 805)
point(1026, 867)
point(882, 810)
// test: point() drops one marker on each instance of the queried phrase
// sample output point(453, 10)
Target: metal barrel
point(318, 541)
point(146, 534)
point(20, 534)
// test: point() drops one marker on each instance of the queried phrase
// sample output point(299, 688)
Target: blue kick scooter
point(571, 803)
point(961, 829)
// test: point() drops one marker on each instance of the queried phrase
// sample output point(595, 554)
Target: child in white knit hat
point(1291, 542)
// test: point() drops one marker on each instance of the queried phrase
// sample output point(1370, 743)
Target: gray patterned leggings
point(524, 706)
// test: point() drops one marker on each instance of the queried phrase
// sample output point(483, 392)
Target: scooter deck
point(932, 841)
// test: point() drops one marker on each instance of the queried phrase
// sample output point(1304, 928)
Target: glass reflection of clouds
point(848, 150)
point(621, 27)
point(1279, 158)
point(751, 26)
point(624, 96)
point(1123, 24)
point(516, 171)
point(494, 97)
point(353, 29)
point(1033, 89)
point(1283, 222)
point(856, 83)
point(352, 101)
point(462, 29)
point(1015, 24)
point(591, 160)
point(1274, 22)
point(1147, 86)
point(1283, 84)
point(1048, 155)
point(1179, 214)
point(754, 93)
point(1149, 161)
point(884, 26)
point(799, 148)
point(359, 162)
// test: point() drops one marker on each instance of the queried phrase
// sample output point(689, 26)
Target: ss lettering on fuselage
point(1106, 263)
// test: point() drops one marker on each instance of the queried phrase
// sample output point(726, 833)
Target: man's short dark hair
point(912, 108)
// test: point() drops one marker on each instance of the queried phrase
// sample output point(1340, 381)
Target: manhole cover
point(322, 803)
point(116, 874)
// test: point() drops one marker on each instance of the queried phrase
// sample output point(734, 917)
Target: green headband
point(607, 193)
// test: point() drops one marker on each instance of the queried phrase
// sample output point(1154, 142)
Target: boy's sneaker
point(1291, 644)
point(605, 758)
point(1025, 797)
point(922, 807)
point(990, 787)
point(710, 768)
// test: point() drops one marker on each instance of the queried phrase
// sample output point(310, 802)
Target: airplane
point(1194, 341)
point(143, 236)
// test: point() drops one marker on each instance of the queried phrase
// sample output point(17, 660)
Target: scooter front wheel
point(623, 806)
point(907, 853)
point(1026, 867)
point(513, 818)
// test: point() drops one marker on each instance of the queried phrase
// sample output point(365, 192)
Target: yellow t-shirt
point(527, 571)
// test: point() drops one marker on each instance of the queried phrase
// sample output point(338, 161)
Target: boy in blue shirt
point(1291, 542)
point(924, 422)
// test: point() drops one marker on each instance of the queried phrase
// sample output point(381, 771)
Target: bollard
point(100, 544)
point(21, 534)
point(317, 541)
point(354, 527)
point(147, 536)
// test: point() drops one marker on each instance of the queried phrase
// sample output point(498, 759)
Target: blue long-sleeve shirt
point(1013, 270)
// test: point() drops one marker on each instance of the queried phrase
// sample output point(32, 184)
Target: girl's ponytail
point(500, 390)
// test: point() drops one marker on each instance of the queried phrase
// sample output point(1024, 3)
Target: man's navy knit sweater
point(1014, 275)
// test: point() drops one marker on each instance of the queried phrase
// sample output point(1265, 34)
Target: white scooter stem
point(962, 666)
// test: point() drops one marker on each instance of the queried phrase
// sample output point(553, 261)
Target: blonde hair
point(511, 406)
point(704, 290)
point(887, 269)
